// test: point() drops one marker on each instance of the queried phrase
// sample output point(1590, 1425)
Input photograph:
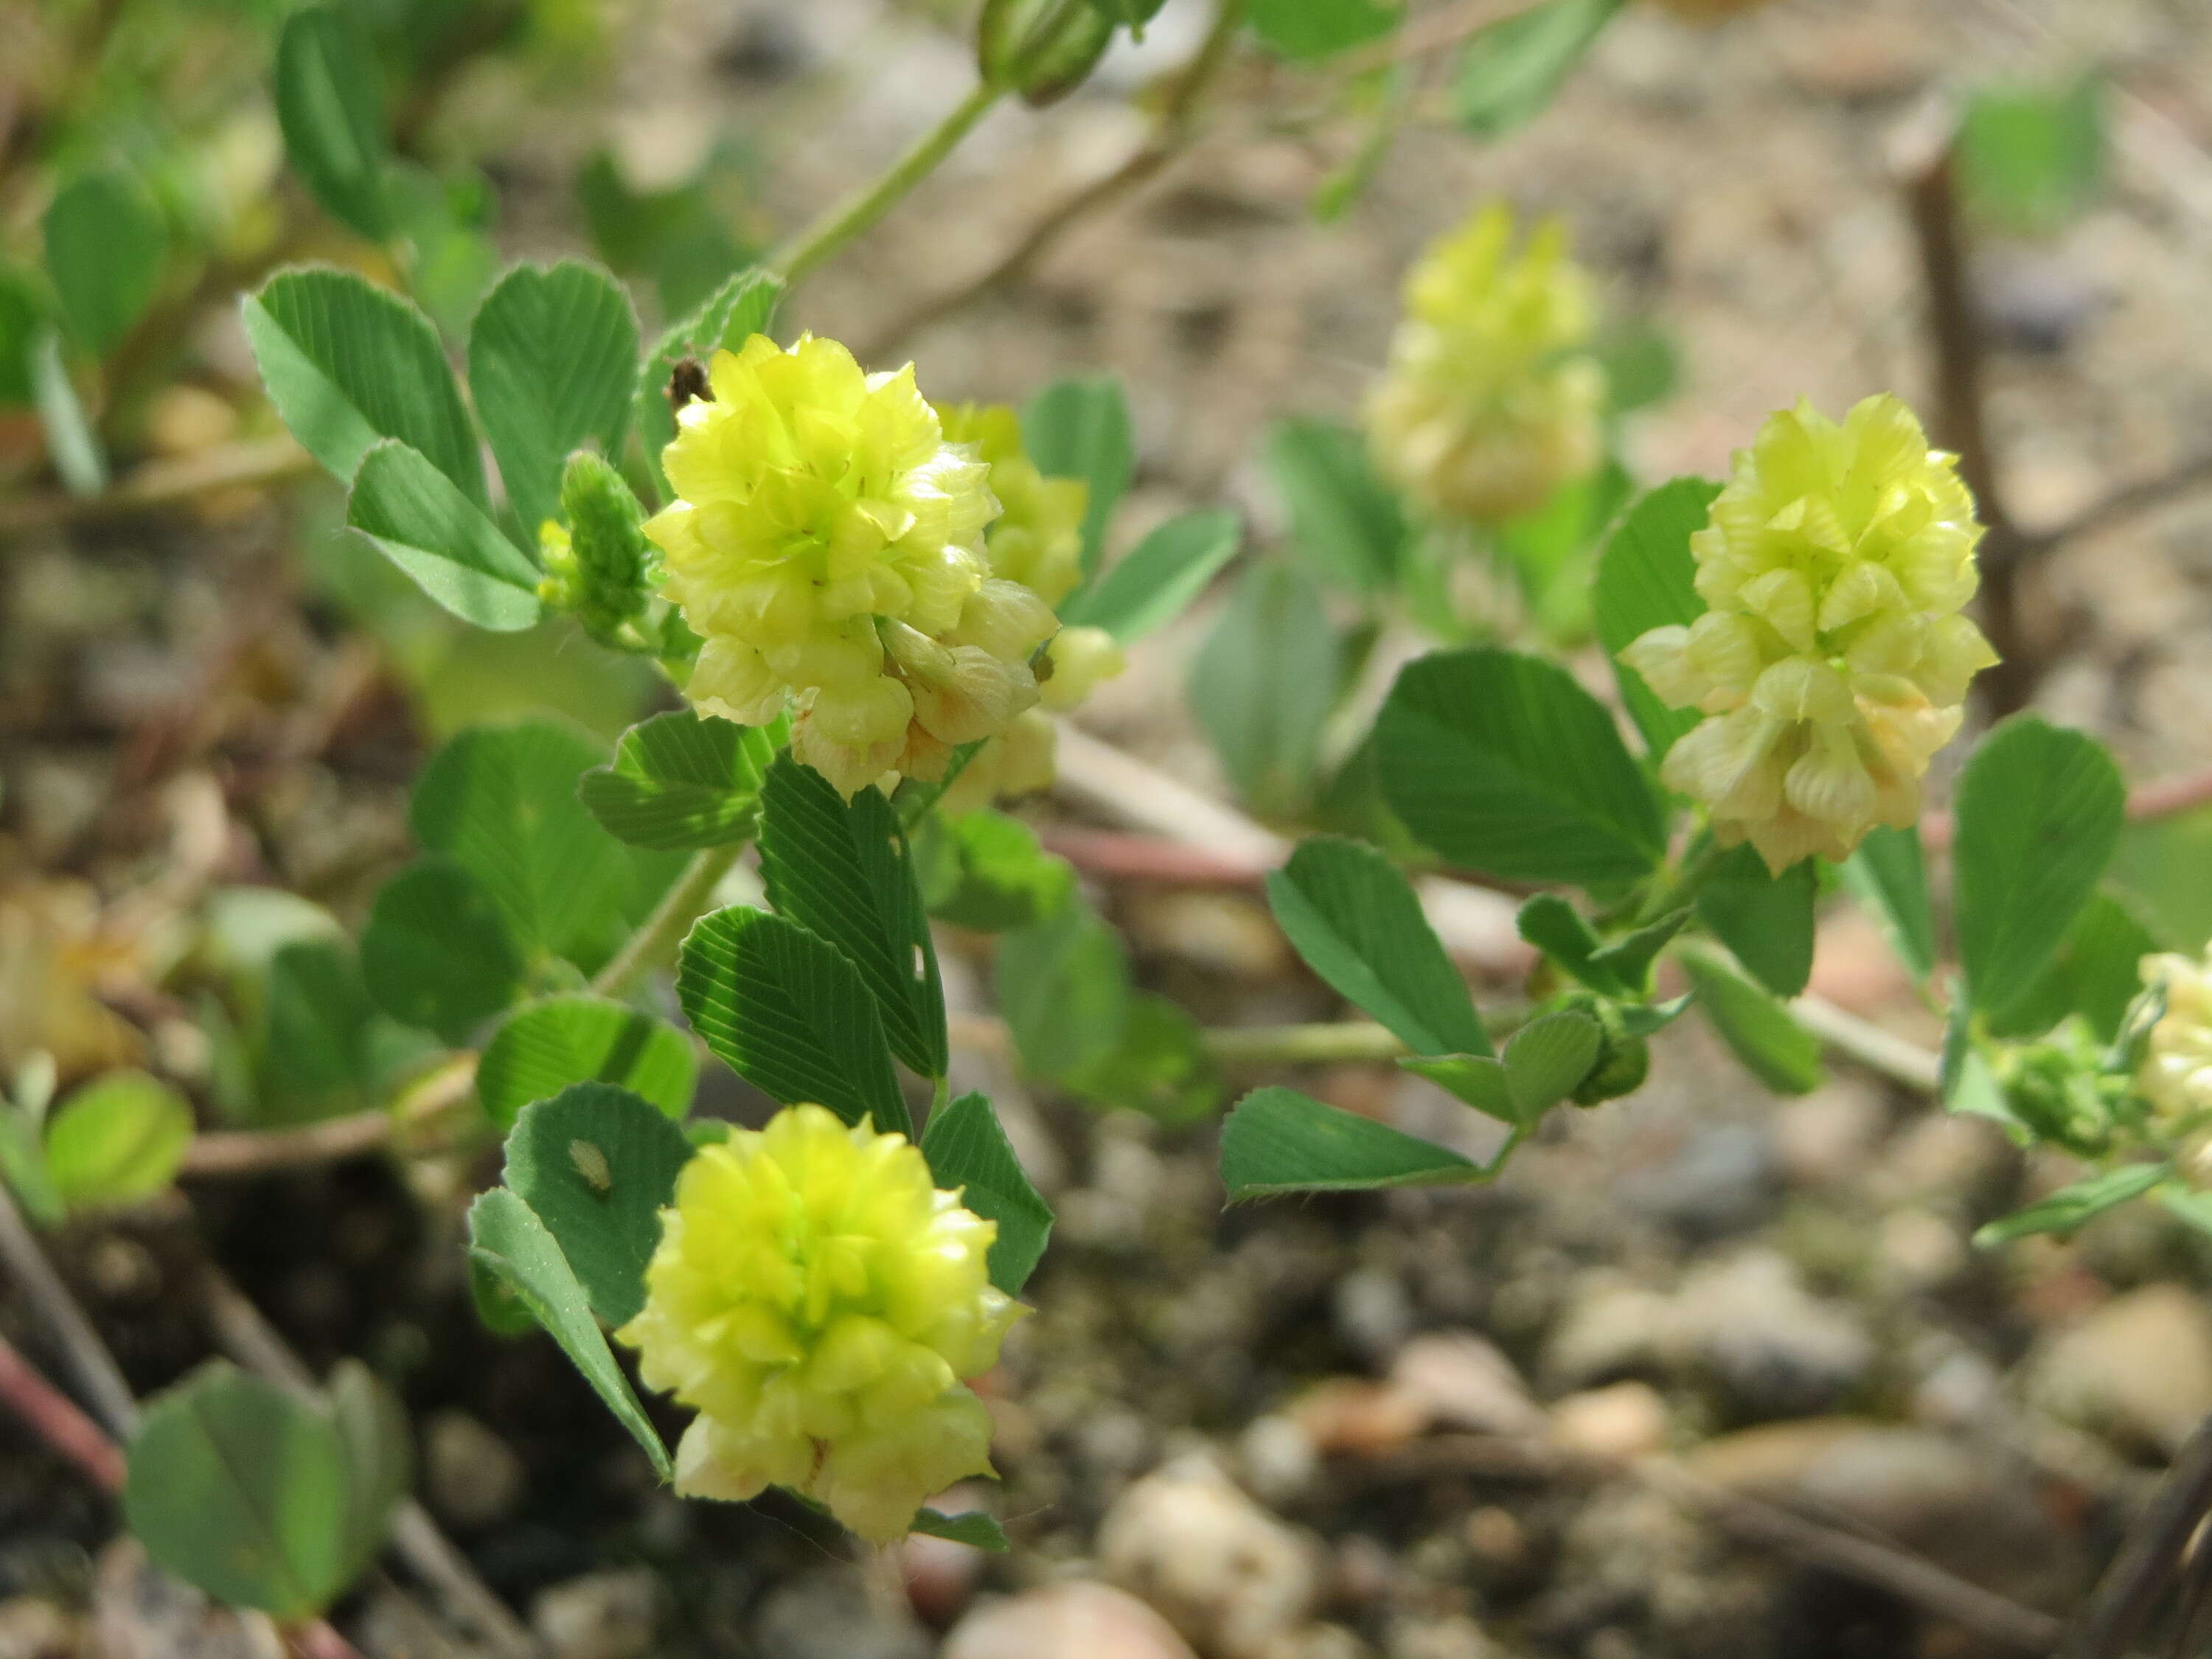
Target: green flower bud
point(819, 1301)
point(1041, 49)
point(599, 567)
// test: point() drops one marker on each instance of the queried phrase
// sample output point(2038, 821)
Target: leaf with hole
point(683, 781)
point(788, 1013)
point(508, 1240)
point(840, 869)
point(968, 1149)
point(416, 517)
point(552, 365)
point(331, 116)
point(1156, 581)
point(348, 363)
point(1354, 919)
point(2039, 810)
point(597, 1164)
point(1079, 427)
point(119, 1139)
point(1502, 763)
point(1278, 1140)
point(540, 1050)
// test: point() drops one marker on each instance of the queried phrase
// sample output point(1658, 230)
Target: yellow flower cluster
point(1036, 540)
point(828, 546)
point(818, 1300)
point(1831, 654)
point(1491, 401)
point(2175, 1074)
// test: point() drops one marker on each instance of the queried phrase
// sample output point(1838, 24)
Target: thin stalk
point(820, 239)
point(655, 941)
point(97, 1373)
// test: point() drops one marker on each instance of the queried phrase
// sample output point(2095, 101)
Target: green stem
point(811, 246)
point(655, 941)
point(1338, 1042)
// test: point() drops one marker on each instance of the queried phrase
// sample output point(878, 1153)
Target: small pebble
point(1226, 1573)
point(1080, 1620)
point(1613, 1425)
point(600, 1615)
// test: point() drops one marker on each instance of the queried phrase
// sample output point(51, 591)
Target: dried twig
point(2128, 501)
point(2149, 1559)
point(254, 1151)
point(1885, 1566)
point(1850, 1551)
point(163, 484)
point(1955, 337)
point(97, 1373)
point(54, 1418)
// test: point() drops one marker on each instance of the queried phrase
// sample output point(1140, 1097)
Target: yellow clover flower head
point(1037, 541)
point(1037, 537)
point(1491, 400)
point(824, 525)
point(2175, 1074)
point(1831, 654)
point(818, 1300)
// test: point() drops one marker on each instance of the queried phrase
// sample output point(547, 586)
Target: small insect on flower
point(818, 1300)
point(687, 383)
point(590, 1163)
point(1833, 656)
point(1491, 400)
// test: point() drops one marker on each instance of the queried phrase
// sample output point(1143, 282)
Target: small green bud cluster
point(1041, 49)
point(599, 567)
